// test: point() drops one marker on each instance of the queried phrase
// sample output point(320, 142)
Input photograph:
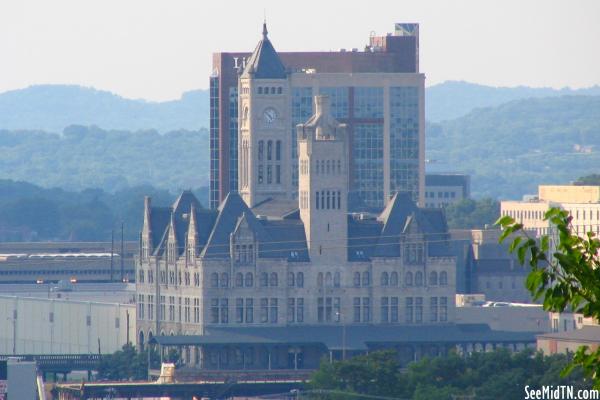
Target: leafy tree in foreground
point(564, 273)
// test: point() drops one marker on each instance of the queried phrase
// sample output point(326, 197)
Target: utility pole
point(112, 253)
point(122, 254)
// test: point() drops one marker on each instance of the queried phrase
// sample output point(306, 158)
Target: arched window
point(274, 281)
point(264, 279)
point(260, 90)
point(356, 279)
point(261, 150)
point(394, 279)
point(317, 200)
point(320, 279)
point(224, 279)
point(269, 150)
point(300, 279)
point(214, 280)
point(366, 278)
point(278, 150)
point(443, 278)
point(249, 281)
point(291, 279)
point(336, 279)
point(433, 278)
point(328, 279)
point(385, 279)
point(419, 278)
point(273, 90)
point(279, 90)
point(239, 279)
point(408, 279)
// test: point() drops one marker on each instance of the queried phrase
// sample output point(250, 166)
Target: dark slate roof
point(276, 208)
point(229, 212)
point(394, 218)
point(185, 201)
point(179, 214)
point(289, 240)
point(363, 238)
point(264, 63)
point(280, 231)
point(588, 333)
point(159, 220)
point(358, 337)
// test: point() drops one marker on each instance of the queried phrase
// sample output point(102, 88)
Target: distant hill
point(454, 99)
point(90, 157)
point(53, 107)
point(511, 148)
point(30, 212)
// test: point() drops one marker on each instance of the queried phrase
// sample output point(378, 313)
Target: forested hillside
point(454, 99)
point(51, 108)
point(90, 157)
point(29, 212)
point(510, 149)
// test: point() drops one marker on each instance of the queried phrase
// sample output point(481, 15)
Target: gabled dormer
point(413, 240)
point(243, 243)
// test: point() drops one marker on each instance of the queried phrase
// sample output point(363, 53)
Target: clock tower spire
point(264, 136)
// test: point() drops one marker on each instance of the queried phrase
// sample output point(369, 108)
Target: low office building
point(488, 268)
point(442, 190)
point(582, 203)
point(503, 316)
point(569, 341)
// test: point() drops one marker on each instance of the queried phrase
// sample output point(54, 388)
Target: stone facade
point(265, 259)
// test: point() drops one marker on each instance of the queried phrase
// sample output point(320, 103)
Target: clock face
point(269, 115)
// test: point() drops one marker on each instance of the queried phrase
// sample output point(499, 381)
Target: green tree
point(472, 214)
point(565, 274)
point(487, 375)
point(126, 364)
point(593, 179)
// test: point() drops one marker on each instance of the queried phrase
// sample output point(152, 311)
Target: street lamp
point(14, 323)
point(340, 317)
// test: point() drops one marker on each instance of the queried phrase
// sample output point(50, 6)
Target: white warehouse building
point(57, 326)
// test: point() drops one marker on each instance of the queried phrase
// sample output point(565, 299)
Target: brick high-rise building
point(377, 91)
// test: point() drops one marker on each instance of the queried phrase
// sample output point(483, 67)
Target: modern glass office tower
point(377, 91)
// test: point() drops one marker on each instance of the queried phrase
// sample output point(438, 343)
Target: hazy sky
point(158, 49)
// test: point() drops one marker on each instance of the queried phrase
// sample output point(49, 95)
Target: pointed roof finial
point(265, 31)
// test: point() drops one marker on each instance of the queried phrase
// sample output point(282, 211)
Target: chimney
point(322, 105)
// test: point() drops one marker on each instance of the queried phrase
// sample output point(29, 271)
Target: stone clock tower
point(264, 152)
